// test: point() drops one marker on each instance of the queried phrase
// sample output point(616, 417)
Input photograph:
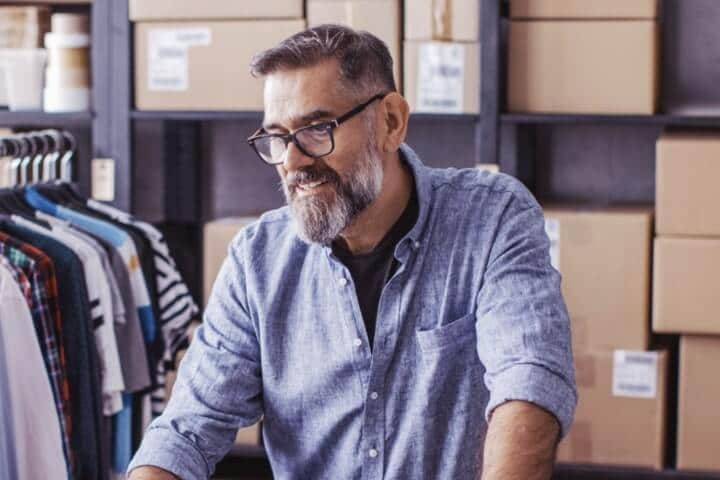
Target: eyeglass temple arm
point(358, 109)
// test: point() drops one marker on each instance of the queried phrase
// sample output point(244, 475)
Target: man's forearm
point(520, 443)
point(151, 473)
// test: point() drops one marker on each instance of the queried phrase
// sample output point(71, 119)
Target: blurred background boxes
point(604, 258)
point(442, 77)
point(686, 183)
point(176, 63)
point(583, 9)
point(379, 17)
point(603, 66)
point(621, 413)
point(446, 20)
point(141, 10)
point(698, 434)
point(687, 278)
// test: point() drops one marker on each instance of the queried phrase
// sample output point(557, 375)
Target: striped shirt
point(177, 307)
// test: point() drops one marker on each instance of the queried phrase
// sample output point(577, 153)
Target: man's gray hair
point(366, 66)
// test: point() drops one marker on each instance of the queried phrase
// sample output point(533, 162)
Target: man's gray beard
point(320, 218)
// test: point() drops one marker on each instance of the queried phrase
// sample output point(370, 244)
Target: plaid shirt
point(39, 271)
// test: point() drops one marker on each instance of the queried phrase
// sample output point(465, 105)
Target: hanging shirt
point(177, 307)
point(102, 316)
point(45, 313)
point(36, 449)
point(119, 239)
point(131, 345)
point(122, 242)
point(82, 369)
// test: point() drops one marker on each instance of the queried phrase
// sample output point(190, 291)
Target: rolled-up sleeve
point(523, 329)
point(218, 387)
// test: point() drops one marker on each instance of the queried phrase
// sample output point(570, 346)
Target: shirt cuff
point(170, 451)
point(537, 385)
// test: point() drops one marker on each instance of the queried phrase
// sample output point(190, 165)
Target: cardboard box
point(685, 285)
point(23, 27)
point(216, 239)
point(686, 184)
point(605, 9)
point(698, 400)
point(203, 65)
point(448, 20)
point(442, 77)
point(621, 413)
point(379, 17)
point(142, 10)
point(604, 258)
point(583, 66)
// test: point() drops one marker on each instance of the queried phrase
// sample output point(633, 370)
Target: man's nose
point(295, 159)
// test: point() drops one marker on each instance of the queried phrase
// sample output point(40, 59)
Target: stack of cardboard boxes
point(604, 258)
point(193, 55)
point(442, 56)
point(686, 280)
point(583, 56)
point(379, 17)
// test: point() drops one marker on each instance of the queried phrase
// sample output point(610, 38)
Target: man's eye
point(320, 127)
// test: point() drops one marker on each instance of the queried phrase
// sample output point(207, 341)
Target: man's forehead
point(291, 96)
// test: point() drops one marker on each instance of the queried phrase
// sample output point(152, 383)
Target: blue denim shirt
point(472, 318)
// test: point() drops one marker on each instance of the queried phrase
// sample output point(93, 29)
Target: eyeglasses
point(315, 140)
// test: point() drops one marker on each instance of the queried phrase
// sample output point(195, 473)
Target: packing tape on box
point(66, 99)
point(69, 23)
point(67, 40)
point(441, 19)
point(581, 441)
point(585, 371)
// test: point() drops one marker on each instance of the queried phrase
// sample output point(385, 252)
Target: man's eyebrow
point(303, 120)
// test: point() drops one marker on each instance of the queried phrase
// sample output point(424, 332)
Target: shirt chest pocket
point(458, 335)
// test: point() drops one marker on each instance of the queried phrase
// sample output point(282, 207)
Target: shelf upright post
point(111, 97)
point(487, 129)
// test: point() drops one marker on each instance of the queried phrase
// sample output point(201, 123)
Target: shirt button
point(374, 395)
point(416, 245)
point(343, 282)
point(373, 453)
point(357, 342)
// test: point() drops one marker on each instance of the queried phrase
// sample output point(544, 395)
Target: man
point(393, 321)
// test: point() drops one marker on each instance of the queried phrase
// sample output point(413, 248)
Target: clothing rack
point(36, 155)
point(103, 312)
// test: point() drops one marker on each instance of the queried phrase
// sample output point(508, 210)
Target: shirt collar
point(423, 186)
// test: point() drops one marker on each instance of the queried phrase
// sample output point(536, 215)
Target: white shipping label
point(634, 374)
point(552, 228)
point(168, 62)
point(441, 75)
point(103, 179)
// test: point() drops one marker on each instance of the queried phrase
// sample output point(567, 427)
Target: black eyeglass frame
point(330, 126)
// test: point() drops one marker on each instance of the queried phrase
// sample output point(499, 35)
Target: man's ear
point(394, 114)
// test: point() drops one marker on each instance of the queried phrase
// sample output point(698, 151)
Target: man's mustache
point(311, 175)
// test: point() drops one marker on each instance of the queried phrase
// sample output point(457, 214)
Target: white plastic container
point(24, 70)
point(66, 99)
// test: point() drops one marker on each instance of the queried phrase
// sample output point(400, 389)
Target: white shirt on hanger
point(36, 426)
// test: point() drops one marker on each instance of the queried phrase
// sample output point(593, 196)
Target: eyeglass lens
point(314, 141)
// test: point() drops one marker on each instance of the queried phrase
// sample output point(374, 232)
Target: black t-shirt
point(371, 271)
